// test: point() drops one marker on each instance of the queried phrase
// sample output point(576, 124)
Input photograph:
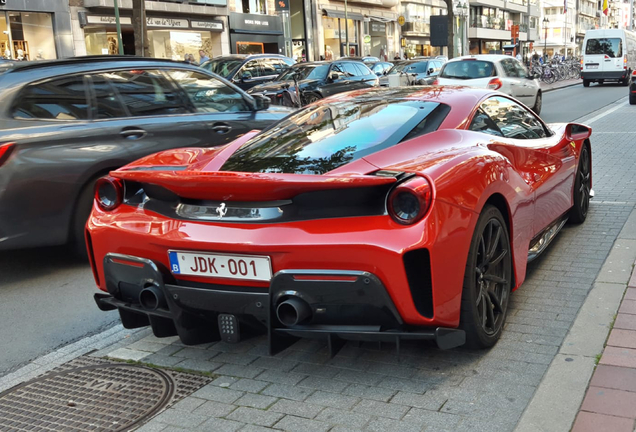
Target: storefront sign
point(367, 39)
point(207, 25)
point(254, 22)
point(166, 22)
point(101, 19)
point(377, 28)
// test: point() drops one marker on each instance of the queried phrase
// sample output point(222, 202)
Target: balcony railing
point(496, 24)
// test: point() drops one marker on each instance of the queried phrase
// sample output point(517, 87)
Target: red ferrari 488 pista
point(382, 214)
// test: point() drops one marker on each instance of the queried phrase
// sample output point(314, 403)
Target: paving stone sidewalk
point(610, 400)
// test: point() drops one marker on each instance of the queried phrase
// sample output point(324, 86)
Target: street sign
point(281, 5)
point(401, 20)
point(367, 38)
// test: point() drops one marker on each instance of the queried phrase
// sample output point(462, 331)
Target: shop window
point(107, 104)
point(61, 99)
point(250, 48)
point(146, 93)
point(209, 95)
point(27, 36)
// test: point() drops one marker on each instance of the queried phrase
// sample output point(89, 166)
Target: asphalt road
point(46, 294)
point(574, 102)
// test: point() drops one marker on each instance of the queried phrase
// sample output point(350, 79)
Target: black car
point(380, 68)
point(418, 71)
point(246, 71)
point(317, 80)
point(65, 123)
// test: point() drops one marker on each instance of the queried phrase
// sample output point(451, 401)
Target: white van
point(608, 54)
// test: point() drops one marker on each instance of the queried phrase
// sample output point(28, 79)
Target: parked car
point(317, 80)
point(379, 214)
point(65, 123)
point(442, 58)
point(419, 71)
point(247, 71)
point(364, 59)
point(494, 71)
point(380, 68)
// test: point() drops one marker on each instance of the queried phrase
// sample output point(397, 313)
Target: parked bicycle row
point(556, 70)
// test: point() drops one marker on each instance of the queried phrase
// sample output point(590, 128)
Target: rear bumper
point(612, 75)
point(345, 305)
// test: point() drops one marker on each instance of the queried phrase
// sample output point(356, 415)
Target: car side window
point(351, 70)
point(363, 70)
point(270, 67)
point(208, 94)
point(483, 123)
point(522, 72)
point(107, 103)
point(250, 70)
point(146, 92)
point(509, 68)
point(513, 120)
point(59, 99)
point(337, 69)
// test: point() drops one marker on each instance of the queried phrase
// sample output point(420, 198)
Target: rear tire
point(537, 104)
point(632, 97)
point(487, 281)
point(582, 186)
point(81, 212)
point(586, 83)
point(311, 98)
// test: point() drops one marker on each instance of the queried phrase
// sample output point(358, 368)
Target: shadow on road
point(25, 264)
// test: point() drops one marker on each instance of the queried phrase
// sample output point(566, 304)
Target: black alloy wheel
point(582, 187)
point(487, 281)
point(311, 98)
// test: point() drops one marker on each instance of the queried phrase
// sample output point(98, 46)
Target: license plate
point(592, 66)
point(246, 267)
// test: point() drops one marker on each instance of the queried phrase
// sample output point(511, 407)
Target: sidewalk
point(610, 401)
point(559, 84)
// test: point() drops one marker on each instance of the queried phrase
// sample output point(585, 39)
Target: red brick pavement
point(610, 401)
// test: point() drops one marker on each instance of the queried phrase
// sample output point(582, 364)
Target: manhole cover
point(107, 397)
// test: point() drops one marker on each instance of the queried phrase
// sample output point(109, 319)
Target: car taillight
point(409, 201)
point(109, 193)
point(5, 152)
point(581, 64)
point(494, 84)
point(625, 62)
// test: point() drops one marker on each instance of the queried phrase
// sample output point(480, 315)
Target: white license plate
point(246, 267)
point(592, 66)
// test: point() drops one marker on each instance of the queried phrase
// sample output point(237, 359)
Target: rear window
point(420, 67)
point(468, 69)
point(611, 47)
point(321, 138)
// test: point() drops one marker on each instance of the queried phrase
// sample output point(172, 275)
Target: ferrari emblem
point(221, 210)
point(573, 144)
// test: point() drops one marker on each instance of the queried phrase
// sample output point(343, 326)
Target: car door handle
point(133, 133)
point(221, 128)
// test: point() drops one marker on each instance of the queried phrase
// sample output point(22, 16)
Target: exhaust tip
point(151, 298)
point(293, 311)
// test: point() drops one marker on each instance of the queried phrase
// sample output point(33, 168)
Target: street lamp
point(461, 10)
point(546, 21)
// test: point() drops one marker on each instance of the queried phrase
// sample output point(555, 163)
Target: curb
point(549, 89)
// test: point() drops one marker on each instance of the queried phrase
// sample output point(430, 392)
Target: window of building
point(252, 6)
point(27, 36)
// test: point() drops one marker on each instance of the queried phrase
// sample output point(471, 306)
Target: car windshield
point(223, 66)
point(305, 72)
point(612, 47)
point(468, 69)
point(321, 138)
point(419, 67)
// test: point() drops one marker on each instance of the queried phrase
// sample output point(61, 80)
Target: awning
point(381, 19)
point(340, 14)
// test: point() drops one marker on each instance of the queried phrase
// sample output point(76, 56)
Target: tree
point(139, 27)
point(450, 16)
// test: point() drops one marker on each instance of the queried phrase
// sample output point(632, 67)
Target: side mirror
point(246, 77)
point(575, 131)
point(430, 70)
point(262, 102)
point(333, 76)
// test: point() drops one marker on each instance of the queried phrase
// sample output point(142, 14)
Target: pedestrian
point(406, 56)
point(397, 56)
point(189, 58)
point(204, 57)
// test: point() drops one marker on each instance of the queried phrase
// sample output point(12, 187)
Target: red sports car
point(383, 214)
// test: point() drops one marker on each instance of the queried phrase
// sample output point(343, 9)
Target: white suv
point(497, 72)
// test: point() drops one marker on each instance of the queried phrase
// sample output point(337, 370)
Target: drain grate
point(91, 394)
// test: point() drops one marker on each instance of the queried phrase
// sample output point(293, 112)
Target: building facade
point(174, 29)
point(416, 31)
point(35, 30)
